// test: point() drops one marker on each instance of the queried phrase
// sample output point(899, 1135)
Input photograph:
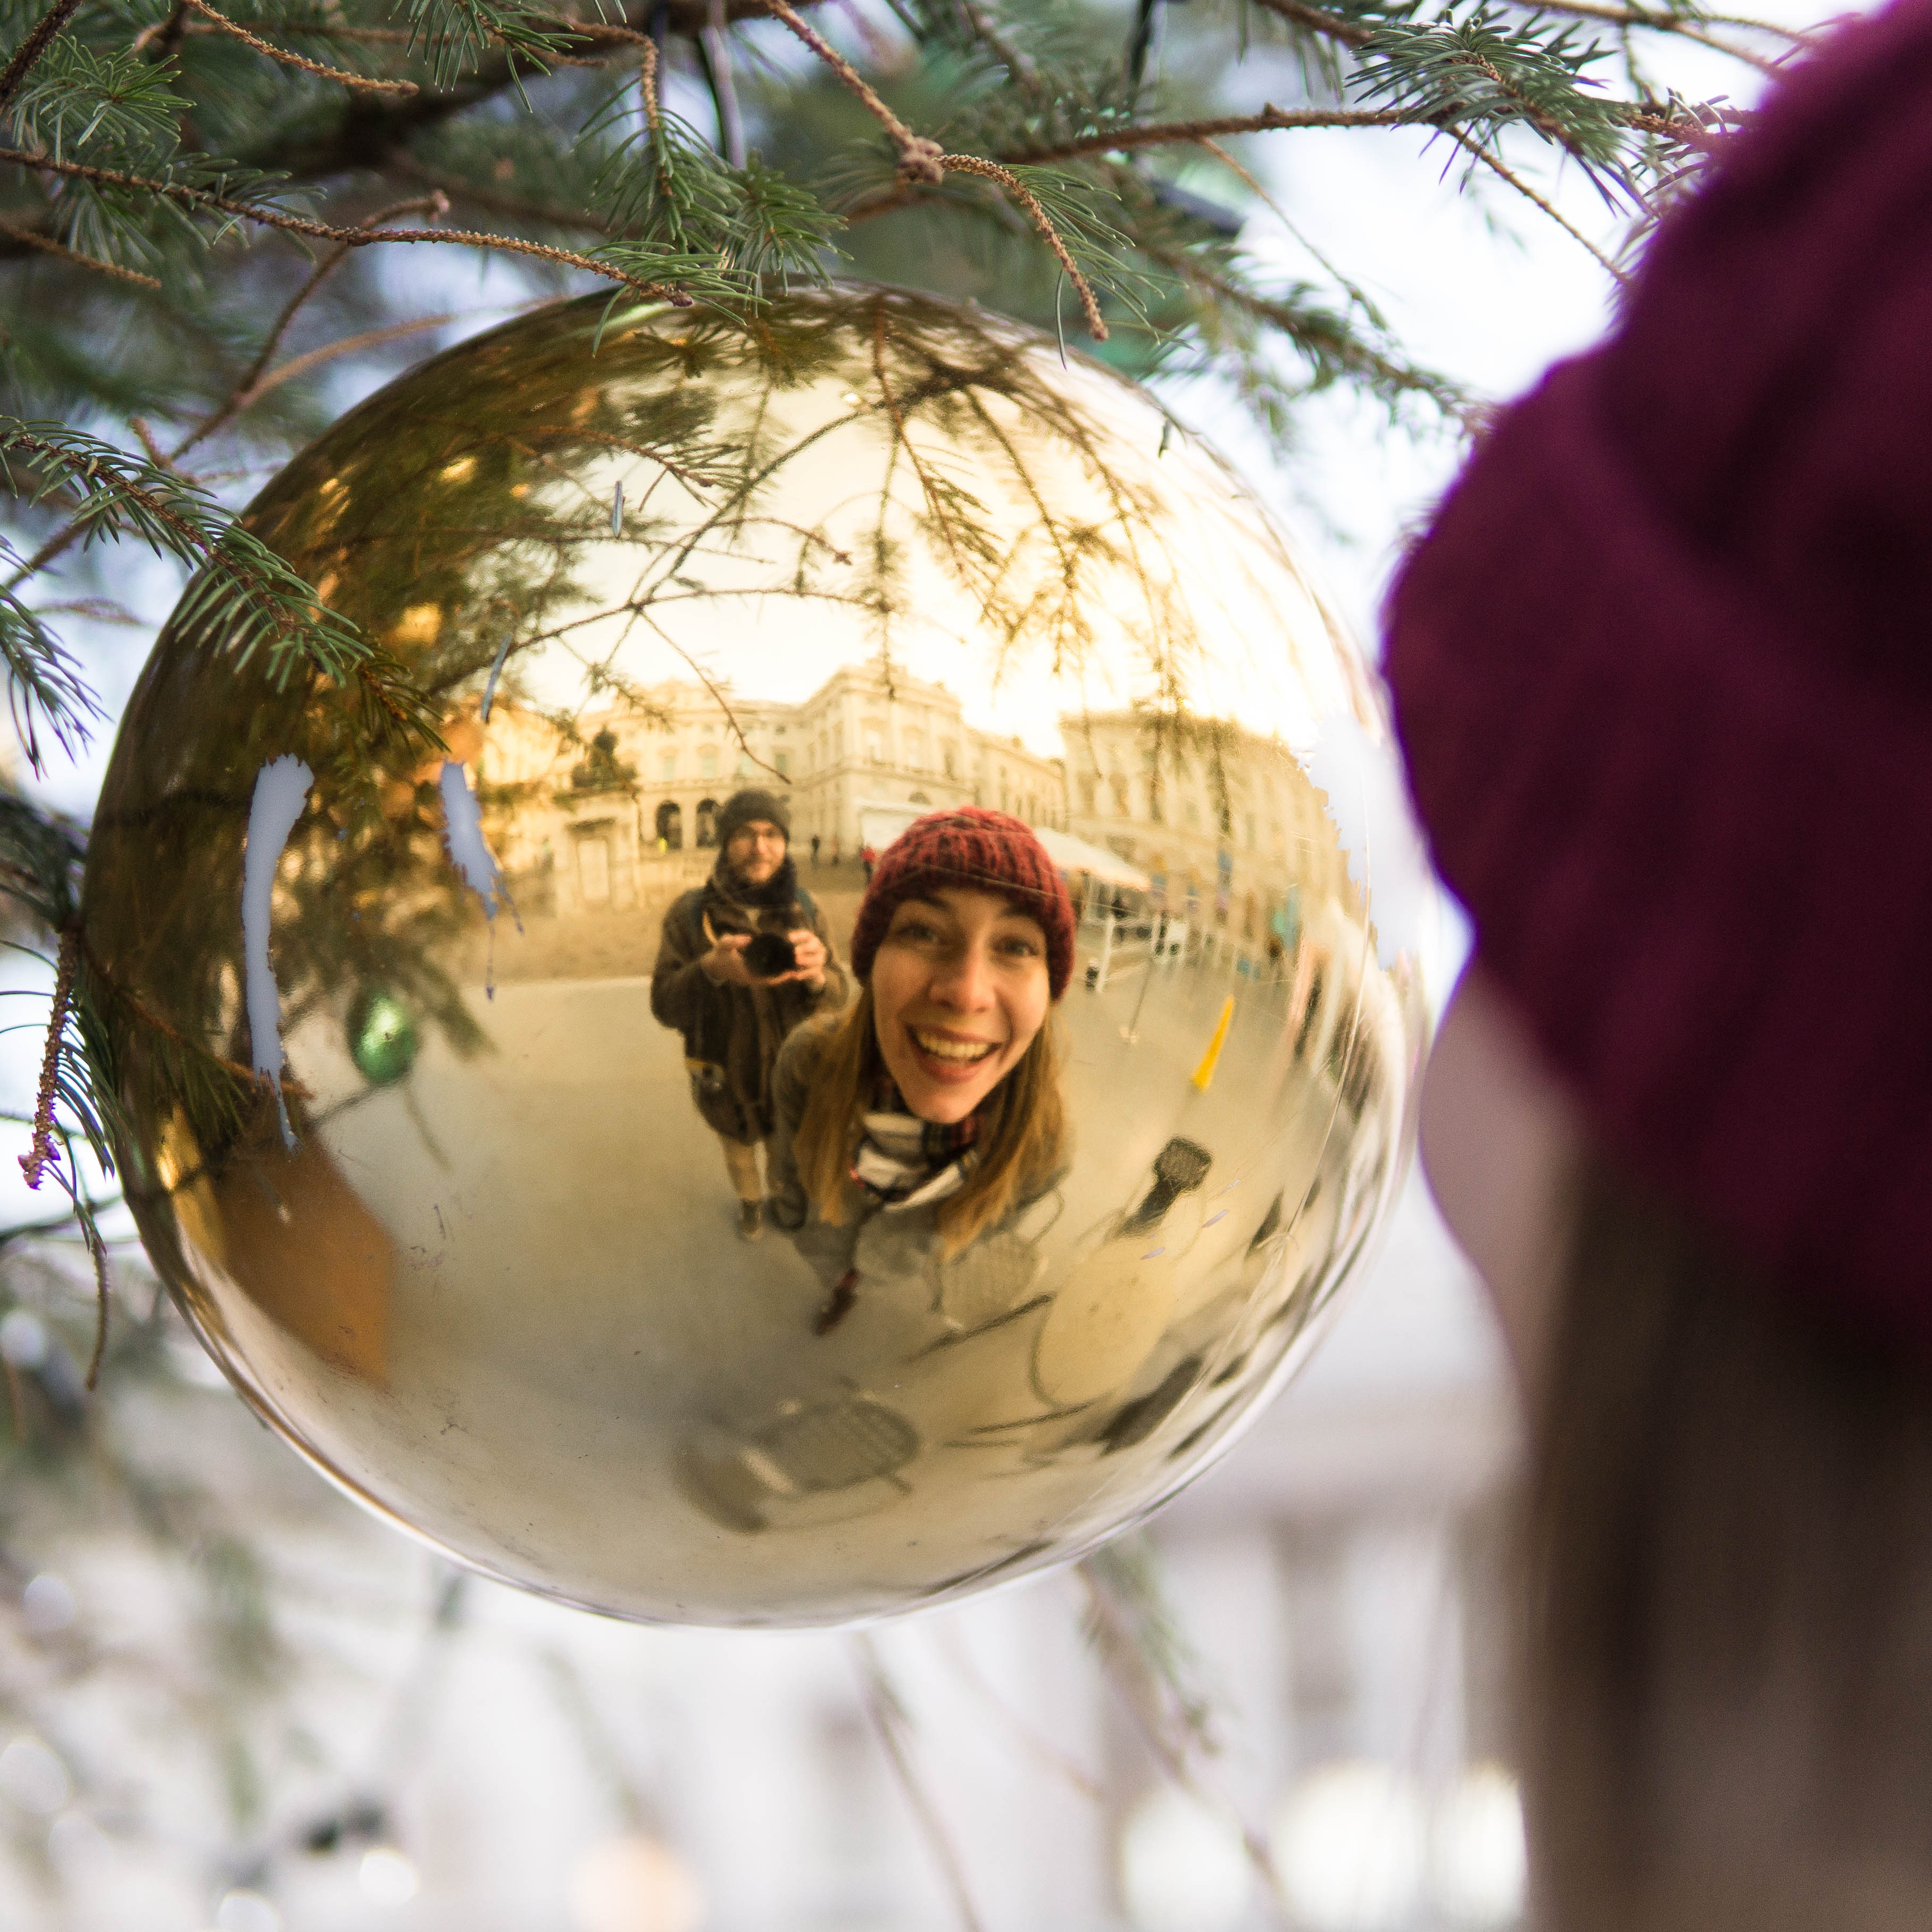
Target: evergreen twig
point(366, 83)
point(37, 43)
point(204, 199)
point(34, 1162)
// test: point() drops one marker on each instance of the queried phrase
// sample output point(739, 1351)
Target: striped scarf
point(904, 1162)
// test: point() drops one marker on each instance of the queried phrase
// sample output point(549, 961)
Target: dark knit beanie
point(1663, 674)
point(742, 807)
point(971, 846)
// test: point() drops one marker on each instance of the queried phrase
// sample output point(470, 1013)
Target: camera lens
point(768, 954)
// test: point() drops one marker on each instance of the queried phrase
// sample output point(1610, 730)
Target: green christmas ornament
point(383, 1040)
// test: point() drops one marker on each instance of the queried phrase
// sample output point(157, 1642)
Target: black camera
point(768, 954)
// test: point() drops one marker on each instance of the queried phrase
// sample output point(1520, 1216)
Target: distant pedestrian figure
point(869, 859)
point(814, 850)
point(835, 848)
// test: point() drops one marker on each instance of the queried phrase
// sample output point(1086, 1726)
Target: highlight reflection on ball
point(558, 1270)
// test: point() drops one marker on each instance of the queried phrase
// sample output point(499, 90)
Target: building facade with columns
point(645, 779)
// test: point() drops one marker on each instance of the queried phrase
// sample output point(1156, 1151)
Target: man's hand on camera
point(809, 949)
point(724, 965)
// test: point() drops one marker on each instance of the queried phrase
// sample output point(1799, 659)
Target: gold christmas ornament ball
point(563, 1288)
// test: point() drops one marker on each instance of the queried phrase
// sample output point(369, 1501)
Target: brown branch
point(324, 30)
point(34, 1162)
point(1009, 56)
point(513, 207)
point(972, 164)
point(934, 502)
point(223, 24)
point(657, 456)
point(348, 345)
point(1316, 20)
point(321, 231)
point(647, 84)
point(1477, 151)
point(36, 44)
point(704, 678)
point(889, 1720)
point(48, 245)
point(1345, 348)
point(97, 1249)
point(163, 35)
point(1156, 133)
point(1124, 1664)
point(1690, 26)
point(54, 544)
point(245, 392)
point(920, 159)
point(156, 455)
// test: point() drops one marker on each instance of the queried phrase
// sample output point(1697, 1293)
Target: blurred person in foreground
point(931, 1114)
point(712, 984)
point(1663, 674)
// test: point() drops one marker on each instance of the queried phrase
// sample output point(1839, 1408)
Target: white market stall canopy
point(880, 823)
point(1075, 855)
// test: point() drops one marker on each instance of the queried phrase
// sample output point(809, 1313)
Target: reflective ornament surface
point(873, 555)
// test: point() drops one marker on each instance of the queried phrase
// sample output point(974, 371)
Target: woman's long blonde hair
point(1022, 1126)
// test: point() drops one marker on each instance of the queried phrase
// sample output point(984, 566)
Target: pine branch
point(1495, 164)
point(1159, 133)
point(250, 388)
point(47, 245)
point(367, 84)
point(34, 1162)
point(242, 590)
point(36, 44)
point(44, 683)
point(203, 200)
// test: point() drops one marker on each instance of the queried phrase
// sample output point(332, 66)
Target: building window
point(667, 767)
point(707, 762)
point(1190, 813)
point(949, 752)
point(707, 821)
point(783, 760)
point(1117, 783)
point(1087, 782)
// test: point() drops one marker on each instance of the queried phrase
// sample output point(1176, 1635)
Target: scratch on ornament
point(281, 791)
point(496, 672)
point(463, 836)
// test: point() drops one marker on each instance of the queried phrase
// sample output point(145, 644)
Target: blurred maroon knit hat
point(972, 846)
point(1662, 672)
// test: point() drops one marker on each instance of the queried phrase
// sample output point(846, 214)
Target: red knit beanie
point(972, 846)
point(1663, 673)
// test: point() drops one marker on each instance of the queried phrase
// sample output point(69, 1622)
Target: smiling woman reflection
point(929, 1116)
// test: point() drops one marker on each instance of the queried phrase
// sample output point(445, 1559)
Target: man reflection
point(743, 958)
point(930, 1114)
